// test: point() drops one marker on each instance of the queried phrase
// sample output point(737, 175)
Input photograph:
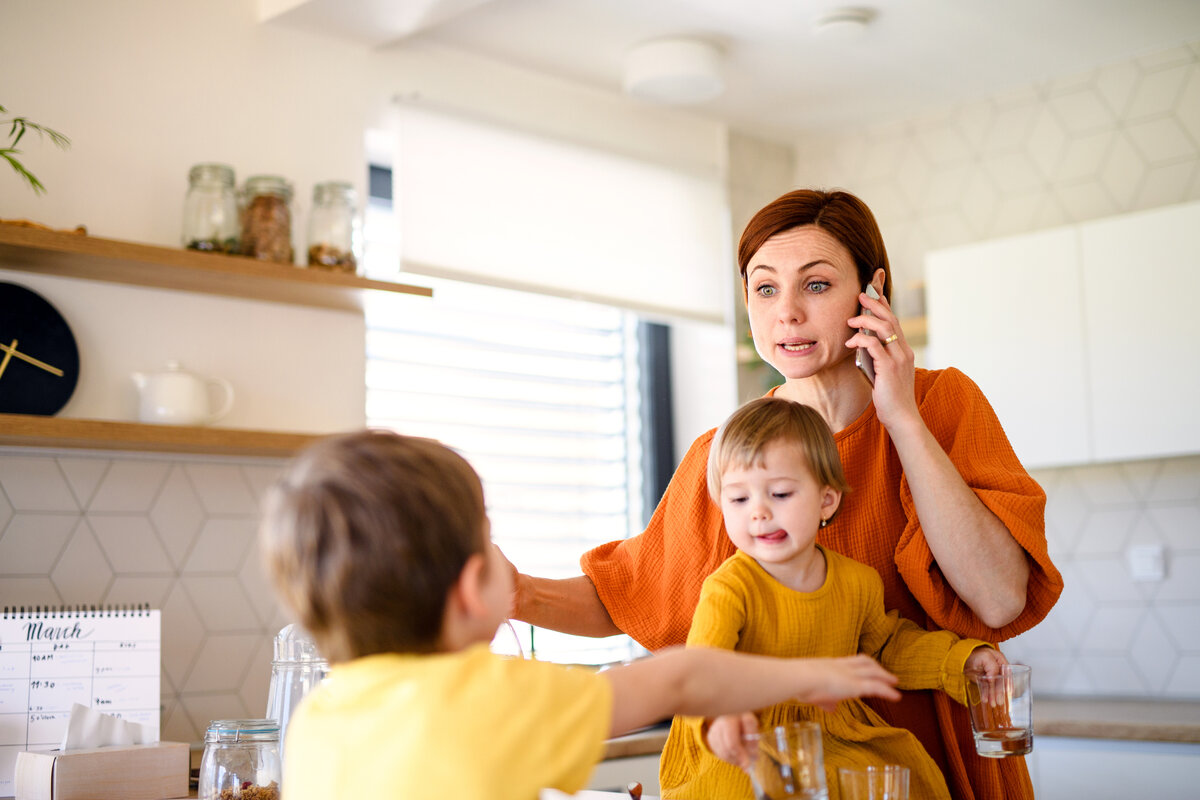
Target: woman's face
point(802, 286)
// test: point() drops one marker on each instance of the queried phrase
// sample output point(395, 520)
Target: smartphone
point(862, 358)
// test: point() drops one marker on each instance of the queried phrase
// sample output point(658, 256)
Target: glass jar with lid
point(241, 760)
point(267, 219)
point(334, 228)
point(210, 210)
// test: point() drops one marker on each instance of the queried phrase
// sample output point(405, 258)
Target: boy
point(380, 545)
point(774, 471)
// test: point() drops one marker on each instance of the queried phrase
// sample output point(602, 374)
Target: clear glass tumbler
point(788, 761)
point(1001, 709)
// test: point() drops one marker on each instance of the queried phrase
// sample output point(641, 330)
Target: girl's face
point(802, 287)
point(772, 512)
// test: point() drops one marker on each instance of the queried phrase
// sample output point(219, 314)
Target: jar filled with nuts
point(267, 219)
point(334, 229)
point(241, 760)
point(210, 210)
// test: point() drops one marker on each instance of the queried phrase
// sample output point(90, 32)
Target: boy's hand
point(726, 738)
point(987, 660)
point(842, 678)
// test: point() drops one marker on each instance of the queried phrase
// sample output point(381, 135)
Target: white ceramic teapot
point(178, 397)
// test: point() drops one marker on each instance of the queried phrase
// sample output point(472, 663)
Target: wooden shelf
point(22, 430)
point(76, 255)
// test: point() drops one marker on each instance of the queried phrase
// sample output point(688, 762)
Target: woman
point(939, 504)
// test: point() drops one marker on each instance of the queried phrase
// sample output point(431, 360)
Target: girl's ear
point(831, 499)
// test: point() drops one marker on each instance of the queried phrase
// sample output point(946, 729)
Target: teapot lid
point(294, 644)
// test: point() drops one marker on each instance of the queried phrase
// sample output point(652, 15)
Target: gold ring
point(891, 338)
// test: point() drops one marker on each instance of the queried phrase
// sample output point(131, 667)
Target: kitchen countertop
point(1105, 718)
point(1083, 718)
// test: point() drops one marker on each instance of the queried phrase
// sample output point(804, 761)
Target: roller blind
point(505, 207)
point(540, 395)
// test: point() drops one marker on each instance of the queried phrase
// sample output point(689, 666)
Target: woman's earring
point(824, 522)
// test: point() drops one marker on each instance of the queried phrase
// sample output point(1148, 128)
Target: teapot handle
point(227, 388)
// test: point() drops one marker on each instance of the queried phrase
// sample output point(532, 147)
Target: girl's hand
point(987, 660)
point(895, 363)
point(726, 738)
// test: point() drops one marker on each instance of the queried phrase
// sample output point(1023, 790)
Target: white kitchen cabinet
point(1141, 294)
point(1079, 336)
point(1069, 769)
point(1008, 314)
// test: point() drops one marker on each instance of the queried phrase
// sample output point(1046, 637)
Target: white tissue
point(88, 728)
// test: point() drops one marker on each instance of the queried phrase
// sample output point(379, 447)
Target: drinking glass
point(1001, 711)
point(787, 761)
point(887, 782)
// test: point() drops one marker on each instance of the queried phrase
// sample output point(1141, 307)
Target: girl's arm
point(701, 681)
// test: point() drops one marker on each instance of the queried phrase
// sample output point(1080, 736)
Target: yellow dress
point(743, 608)
point(468, 725)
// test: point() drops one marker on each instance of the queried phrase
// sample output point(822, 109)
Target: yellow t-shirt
point(743, 608)
point(469, 725)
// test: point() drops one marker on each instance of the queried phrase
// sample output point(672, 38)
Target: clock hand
point(11, 350)
point(8, 356)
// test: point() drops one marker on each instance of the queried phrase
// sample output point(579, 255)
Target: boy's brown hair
point(365, 534)
point(743, 438)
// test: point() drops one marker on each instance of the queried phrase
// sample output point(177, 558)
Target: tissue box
point(129, 772)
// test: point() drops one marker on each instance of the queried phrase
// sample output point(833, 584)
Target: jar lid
point(220, 173)
point(242, 730)
point(294, 644)
point(334, 190)
point(268, 184)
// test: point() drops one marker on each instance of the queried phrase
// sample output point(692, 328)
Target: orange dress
point(650, 584)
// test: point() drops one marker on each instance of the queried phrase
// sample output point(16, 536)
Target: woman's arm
point(703, 681)
point(979, 557)
point(569, 605)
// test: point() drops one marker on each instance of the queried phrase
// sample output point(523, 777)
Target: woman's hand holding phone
point(889, 365)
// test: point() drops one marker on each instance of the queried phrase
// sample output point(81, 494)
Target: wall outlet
point(1147, 562)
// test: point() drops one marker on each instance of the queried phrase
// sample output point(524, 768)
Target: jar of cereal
point(267, 219)
point(240, 761)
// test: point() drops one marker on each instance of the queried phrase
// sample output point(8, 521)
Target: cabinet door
point(1007, 312)
point(1141, 295)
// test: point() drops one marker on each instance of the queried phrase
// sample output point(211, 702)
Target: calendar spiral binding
point(68, 611)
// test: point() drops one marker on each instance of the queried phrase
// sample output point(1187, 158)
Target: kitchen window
point(541, 394)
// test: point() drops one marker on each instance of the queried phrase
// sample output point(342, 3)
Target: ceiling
point(783, 78)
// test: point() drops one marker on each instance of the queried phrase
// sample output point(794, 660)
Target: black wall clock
point(39, 362)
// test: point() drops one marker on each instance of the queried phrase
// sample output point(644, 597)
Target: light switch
point(1147, 562)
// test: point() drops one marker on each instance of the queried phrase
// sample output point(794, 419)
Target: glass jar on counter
point(334, 228)
point(267, 219)
point(241, 760)
point(210, 210)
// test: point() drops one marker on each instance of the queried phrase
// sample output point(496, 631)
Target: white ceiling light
point(843, 23)
point(675, 71)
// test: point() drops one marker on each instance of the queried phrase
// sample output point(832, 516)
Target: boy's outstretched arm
point(706, 682)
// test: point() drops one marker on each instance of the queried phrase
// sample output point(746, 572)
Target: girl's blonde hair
point(743, 438)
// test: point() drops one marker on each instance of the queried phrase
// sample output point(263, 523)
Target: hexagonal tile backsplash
point(177, 533)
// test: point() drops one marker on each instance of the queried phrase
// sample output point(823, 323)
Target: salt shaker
point(241, 760)
point(334, 229)
point(210, 210)
point(296, 669)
